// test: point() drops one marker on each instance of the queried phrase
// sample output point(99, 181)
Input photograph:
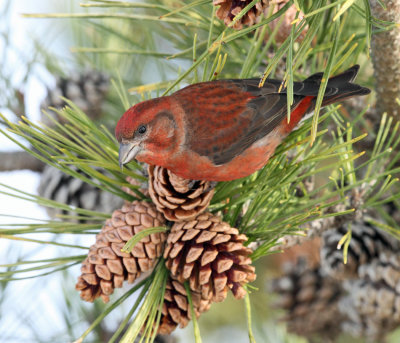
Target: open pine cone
point(230, 8)
point(56, 185)
point(141, 186)
point(178, 198)
point(367, 243)
point(211, 255)
point(87, 90)
point(176, 308)
point(285, 24)
point(106, 266)
point(373, 302)
point(310, 299)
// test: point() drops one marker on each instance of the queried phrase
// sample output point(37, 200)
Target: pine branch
point(314, 229)
point(19, 160)
point(336, 216)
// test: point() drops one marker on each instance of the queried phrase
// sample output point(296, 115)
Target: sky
point(30, 305)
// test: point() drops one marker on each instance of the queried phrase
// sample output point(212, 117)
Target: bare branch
point(18, 160)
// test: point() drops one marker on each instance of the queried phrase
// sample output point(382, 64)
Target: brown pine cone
point(285, 24)
point(176, 308)
point(178, 198)
point(106, 266)
point(142, 187)
point(373, 302)
point(211, 255)
point(310, 299)
point(230, 8)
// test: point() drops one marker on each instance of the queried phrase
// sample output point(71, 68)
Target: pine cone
point(86, 90)
point(176, 308)
point(64, 188)
point(392, 208)
point(143, 187)
point(230, 8)
point(178, 198)
point(211, 255)
point(285, 24)
point(367, 243)
point(373, 301)
point(106, 266)
point(310, 300)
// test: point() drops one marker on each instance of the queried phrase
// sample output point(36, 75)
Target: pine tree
point(213, 237)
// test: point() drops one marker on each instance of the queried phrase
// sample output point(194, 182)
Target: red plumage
point(222, 130)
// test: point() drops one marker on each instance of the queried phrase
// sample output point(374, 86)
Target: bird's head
point(145, 131)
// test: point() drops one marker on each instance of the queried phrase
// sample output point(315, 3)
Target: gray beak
point(127, 152)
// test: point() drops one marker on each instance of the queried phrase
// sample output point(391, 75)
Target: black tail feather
point(343, 87)
point(347, 76)
point(339, 87)
point(317, 77)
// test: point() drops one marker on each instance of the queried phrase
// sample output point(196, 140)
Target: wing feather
point(226, 117)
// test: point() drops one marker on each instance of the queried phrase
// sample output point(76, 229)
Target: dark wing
point(225, 117)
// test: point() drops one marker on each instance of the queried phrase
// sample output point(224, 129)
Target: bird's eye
point(142, 129)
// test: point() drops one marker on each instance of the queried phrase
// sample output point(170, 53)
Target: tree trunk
point(385, 52)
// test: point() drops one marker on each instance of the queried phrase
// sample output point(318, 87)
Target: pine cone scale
point(95, 259)
point(190, 234)
point(103, 272)
point(187, 270)
point(209, 255)
point(115, 267)
point(194, 253)
point(107, 253)
point(117, 249)
point(175, 200)
point(91, 279)
point(130, 265)
point(223, 264)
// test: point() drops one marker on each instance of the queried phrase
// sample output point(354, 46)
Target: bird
point(222, 130)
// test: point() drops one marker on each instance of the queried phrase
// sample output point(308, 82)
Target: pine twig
point(18, 160)
point(317, 227)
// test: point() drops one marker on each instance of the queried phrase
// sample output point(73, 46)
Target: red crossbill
point(222, 130)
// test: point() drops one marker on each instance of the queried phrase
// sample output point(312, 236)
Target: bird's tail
point(341, 86)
